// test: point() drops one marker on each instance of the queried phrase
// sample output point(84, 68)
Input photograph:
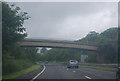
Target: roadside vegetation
point(21, 72)
point(106, 68)
point(14, 57)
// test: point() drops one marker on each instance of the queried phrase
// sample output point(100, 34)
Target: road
point(57, 71)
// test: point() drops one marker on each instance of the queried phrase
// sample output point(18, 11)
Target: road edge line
point(88, 77)
point(38, 74)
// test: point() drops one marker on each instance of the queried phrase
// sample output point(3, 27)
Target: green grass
point(22, 72)
point(99, 67)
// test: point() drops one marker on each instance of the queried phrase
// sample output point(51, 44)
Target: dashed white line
point(39, 74)
point(88, 77)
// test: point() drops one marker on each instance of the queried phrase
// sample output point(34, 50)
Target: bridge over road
point(56, 43)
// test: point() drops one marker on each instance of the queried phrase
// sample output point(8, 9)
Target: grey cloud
point(68, 20)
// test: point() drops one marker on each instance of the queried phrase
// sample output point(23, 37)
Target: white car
point(73, 64)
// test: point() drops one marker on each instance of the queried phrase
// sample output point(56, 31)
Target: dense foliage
point(108, 45)
point(14, 57)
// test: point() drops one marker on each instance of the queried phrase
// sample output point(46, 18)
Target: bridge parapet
point(56, 43)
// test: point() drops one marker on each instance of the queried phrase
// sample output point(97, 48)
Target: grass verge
point(100, 67)
point(22, 72)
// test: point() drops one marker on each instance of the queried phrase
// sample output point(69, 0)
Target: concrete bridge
point(56, 43)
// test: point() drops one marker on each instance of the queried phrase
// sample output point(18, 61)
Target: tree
point(13, 31)
point(108, 45)
point(31, 53)
point(12, 25)
point(91, 38)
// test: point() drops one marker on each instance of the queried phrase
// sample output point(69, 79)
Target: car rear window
point(73, 61)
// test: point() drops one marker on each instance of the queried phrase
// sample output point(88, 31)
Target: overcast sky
point(68, 20)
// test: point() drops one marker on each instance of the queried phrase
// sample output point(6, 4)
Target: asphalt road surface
point(57, 71)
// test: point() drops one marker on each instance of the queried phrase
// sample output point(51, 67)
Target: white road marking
point(74, 71)
point(88, 77)
point(38, 74)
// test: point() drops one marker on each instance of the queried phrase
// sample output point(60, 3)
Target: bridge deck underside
point(64, 45)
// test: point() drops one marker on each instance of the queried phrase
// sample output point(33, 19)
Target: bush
point(12, 65)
